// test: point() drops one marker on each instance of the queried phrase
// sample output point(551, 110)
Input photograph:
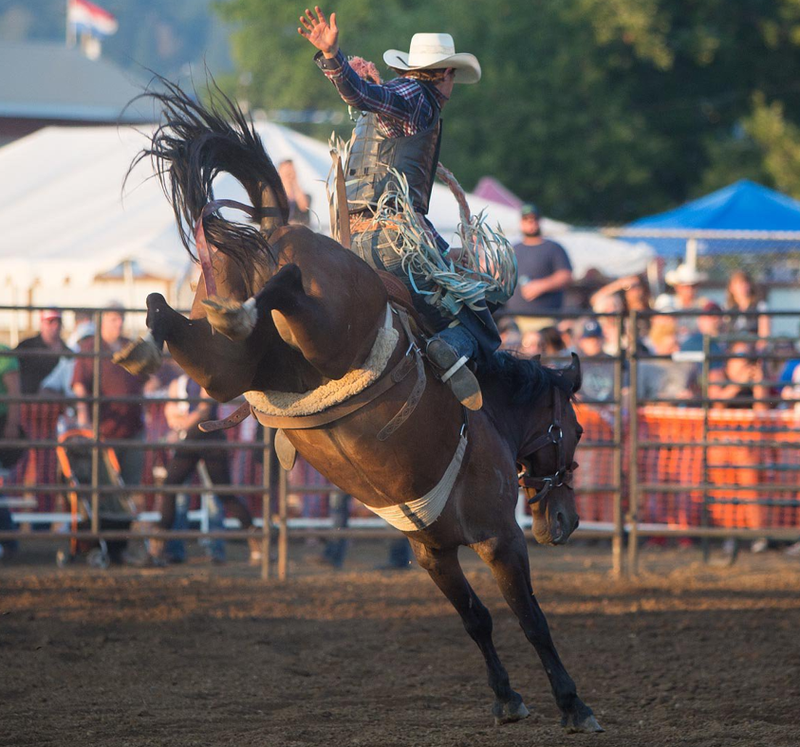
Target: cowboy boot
point(454, 372)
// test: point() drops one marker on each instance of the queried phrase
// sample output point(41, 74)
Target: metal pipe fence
point(713, 474)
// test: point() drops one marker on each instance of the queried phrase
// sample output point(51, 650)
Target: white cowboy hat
point(685, 275)
point(430, 51)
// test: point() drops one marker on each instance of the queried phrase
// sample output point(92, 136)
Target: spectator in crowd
point(59, 380)
point(634, 294)
point(510, 336)
point(610, 304)
point(10, 429)
point(633, 290)
point(665, 378)
point(788, 366)
point(118, 420)
point(739, 382)
point(299, 201)
point(184, 417)
point(551, 342)
point(531, 344)
point(685, 280)
point(38, 357)
point(566, 328)
point(47, 348)
point(791, 392)
point(544, 273)
point(708, 325)
point(743, 298)
point(597, 366)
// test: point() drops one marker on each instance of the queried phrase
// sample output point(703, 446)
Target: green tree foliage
point(600, 110)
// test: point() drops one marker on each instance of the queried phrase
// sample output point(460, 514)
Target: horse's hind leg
point(445, 570)
point(508, 560)
point(327, 340)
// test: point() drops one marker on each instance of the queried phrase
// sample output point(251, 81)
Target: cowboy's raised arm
point(323, 35)
point(354, 90)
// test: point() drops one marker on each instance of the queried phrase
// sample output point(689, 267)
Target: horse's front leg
point(222, 367)
point(446, 572)
point(508, 559)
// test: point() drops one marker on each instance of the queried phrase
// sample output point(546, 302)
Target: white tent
point(71, 237)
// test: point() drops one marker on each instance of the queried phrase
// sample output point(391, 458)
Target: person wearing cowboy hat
point(685, 280)
point(399, 127)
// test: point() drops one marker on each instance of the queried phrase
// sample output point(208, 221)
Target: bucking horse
point(310, 335)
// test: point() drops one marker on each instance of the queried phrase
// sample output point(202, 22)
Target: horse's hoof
point(506, 713)
point(142, 357)
point(233, 319)
point(581, 724)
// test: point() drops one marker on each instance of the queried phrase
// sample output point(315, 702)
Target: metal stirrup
point(450, 371)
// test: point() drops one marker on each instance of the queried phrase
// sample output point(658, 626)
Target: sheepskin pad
point(296, 404)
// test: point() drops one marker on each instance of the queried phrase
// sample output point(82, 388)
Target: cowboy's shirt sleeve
point(400, 99)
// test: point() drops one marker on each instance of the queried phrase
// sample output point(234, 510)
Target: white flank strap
point(450, 371)
point(422, 512)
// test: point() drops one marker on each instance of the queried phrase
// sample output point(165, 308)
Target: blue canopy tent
point(744, 217)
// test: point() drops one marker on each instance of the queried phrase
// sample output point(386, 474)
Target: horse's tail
point(192, 145)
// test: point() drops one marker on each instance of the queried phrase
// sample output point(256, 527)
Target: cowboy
point(399, 127)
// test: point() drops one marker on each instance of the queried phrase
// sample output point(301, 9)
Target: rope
point(486, 267)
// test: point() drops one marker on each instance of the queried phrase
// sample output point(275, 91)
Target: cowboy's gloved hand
point(324, 36)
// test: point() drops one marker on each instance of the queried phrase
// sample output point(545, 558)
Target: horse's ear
point(573, 373)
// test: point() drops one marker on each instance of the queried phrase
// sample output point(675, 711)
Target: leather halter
point(563, 474)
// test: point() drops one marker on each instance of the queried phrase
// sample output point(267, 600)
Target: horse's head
point(546, 469)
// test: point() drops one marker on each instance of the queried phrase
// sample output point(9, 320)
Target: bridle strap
point(563, 474)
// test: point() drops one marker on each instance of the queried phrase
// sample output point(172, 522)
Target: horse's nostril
point(560, 524)
point(577, 523)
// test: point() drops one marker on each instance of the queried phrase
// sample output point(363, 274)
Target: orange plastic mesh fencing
point(737, 461)
point(596, 465)
point(671, 464)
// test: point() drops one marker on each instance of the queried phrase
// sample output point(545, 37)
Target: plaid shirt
point(402, 106)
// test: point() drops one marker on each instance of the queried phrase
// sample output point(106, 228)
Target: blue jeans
point(7, 524)
point(176, 549)
point(335, 550)
point(475, 336)
point(399, 553)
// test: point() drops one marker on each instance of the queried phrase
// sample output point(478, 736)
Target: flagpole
point(70, 32)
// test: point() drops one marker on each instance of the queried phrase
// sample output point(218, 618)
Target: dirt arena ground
point(689, 654)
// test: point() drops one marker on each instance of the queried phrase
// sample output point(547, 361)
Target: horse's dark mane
point(191, 146)
point(526, 380)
